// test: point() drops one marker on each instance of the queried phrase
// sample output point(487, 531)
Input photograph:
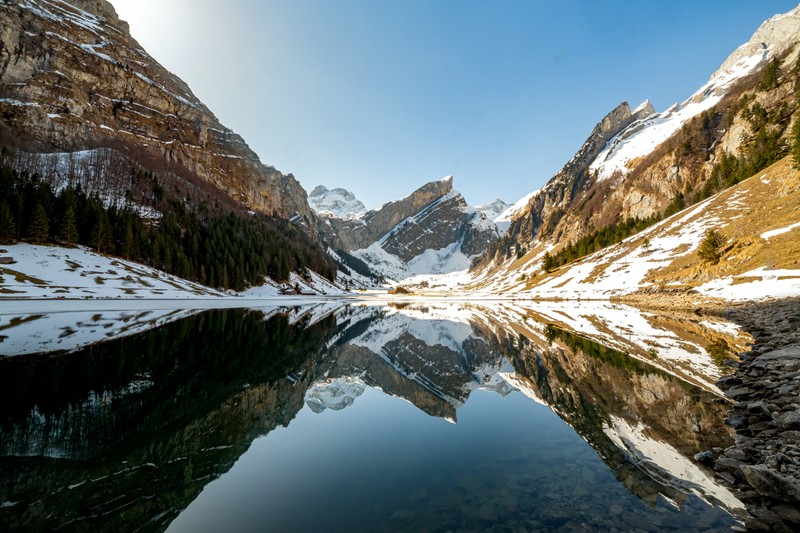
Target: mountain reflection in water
point(176, 426)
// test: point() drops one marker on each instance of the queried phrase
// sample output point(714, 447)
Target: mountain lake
point(362, 416)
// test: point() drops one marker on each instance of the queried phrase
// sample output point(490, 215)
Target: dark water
point(361, 419)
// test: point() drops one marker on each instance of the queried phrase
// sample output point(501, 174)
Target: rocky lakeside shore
point(763, 465)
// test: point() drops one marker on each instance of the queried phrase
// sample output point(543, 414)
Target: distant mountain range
point(430, 231)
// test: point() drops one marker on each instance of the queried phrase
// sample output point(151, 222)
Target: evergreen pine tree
point(128, 244)
point(69, 228)
point(8, 228)
point(101, 233)
point(771, 76)
point(548, 262)
point(39, 228)
point(796, 142)
point(709, 250)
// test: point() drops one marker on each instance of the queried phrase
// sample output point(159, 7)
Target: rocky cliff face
point(353, 234)
point(446, 221)
point(72, 78)
point(548, 205)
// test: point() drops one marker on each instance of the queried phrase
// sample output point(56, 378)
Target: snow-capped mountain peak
point(338, 202)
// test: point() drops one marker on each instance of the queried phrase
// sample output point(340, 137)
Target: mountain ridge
point(662, 161)
point(430, 231)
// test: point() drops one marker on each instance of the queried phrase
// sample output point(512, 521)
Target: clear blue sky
point(380, 97)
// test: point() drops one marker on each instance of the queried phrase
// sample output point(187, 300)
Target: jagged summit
point(430, 231)
point(493, 209)
point(642, 164)
point(528, 214)
point(773, 38)
point(645, 109)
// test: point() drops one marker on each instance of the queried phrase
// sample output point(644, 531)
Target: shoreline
point(763, 464)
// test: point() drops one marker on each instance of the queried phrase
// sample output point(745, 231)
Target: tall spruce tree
point(39, 228)
point(796, 142)
point(101, 233)
point(69, 228)
point(8, 228)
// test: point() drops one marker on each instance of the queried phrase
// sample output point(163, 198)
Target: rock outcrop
point(443, 223)
point(764, 463)
point(72, 78)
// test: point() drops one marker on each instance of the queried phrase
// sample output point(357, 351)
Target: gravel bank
point(764, 463)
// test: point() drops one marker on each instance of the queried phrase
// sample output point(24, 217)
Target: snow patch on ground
point(56, 272)
point(754, 285)
point(779, 231)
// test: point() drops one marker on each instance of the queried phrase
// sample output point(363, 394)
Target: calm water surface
point(356, 418)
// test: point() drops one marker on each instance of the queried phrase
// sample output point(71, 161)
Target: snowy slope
point(56, 272)
point(29, 271)
point(339, 203)
point(761, 228)
point(504, 218)
point(498, 212)
point(638, 139)
point(494, 209)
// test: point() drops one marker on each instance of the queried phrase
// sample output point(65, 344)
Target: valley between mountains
point(122, 193)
